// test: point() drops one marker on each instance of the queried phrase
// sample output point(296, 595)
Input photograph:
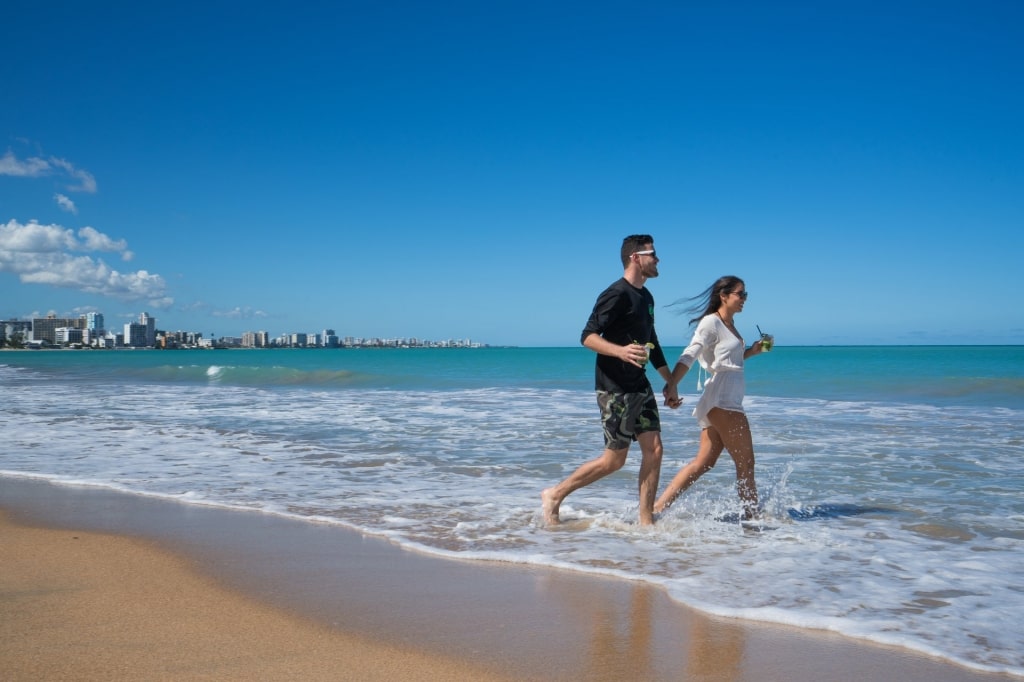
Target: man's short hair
point(632, 244)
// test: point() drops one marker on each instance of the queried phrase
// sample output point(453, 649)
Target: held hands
point(672, 399)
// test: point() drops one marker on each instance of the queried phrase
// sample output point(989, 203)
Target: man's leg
point(650, 471)
point(609, 462)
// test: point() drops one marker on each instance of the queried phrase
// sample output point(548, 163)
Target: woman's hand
point(671, 393)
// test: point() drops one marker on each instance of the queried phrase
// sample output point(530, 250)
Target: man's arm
point(634, 353)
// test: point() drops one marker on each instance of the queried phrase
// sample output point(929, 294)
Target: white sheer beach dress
point(720, 352)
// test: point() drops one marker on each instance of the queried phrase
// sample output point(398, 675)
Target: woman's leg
point(734, 431)
point(707, 454)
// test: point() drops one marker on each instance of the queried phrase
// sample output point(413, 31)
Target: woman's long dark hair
point(710, 300)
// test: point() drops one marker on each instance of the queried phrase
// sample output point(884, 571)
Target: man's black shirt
point(624, 314)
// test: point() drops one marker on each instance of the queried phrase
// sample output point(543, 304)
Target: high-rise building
point(150, 324)
point(255, 340)
point(45, 328)
point(135, 335)
point(94, 323)
point(66, 335)
point(16, 330)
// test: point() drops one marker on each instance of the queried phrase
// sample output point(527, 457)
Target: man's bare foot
point(550, 506)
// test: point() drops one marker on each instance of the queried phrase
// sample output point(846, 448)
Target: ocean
point(891, 477)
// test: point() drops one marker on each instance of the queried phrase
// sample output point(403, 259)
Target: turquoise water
point(891, 476)
point(941, 375)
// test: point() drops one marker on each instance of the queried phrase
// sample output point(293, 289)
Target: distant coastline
point(35, 349)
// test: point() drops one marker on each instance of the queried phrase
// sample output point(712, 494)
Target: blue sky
point(469, 169)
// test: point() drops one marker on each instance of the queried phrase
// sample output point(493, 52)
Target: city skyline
point(53, 330)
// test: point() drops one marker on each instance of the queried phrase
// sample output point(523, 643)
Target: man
point(621, 331)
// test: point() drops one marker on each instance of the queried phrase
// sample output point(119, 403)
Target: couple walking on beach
point(621, 331)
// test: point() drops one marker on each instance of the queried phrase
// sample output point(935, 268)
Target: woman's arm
point(755, 349)
point(672, 379)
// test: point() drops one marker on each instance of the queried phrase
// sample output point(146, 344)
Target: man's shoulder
point(619, 283)
point(613, 289)
point(623, 285)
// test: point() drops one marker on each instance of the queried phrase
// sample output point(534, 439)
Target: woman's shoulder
point(708, 328)
point(709, 322)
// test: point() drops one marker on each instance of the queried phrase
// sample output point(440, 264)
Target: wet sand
point(101, 585)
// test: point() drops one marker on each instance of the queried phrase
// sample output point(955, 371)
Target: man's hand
point(672, 399)
point(634, 354)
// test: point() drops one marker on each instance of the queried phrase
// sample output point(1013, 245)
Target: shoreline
point(378, 601)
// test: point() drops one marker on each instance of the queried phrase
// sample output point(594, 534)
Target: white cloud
point(93, 240)
point(30, 168)
point(65, 203)
point(239, 313)
point(195, 306)
point(34, 238)
point(86, 181)
point(43, 254)
point(36, 167)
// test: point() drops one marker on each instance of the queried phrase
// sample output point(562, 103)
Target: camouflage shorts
point(625, 415)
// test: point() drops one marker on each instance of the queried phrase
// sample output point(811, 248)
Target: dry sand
point(100, 586)
point(89, 606)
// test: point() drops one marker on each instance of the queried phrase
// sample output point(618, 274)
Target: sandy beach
point(89, 606)
point(100, 585)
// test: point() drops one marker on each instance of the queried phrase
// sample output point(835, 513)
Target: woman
point(719, 349)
